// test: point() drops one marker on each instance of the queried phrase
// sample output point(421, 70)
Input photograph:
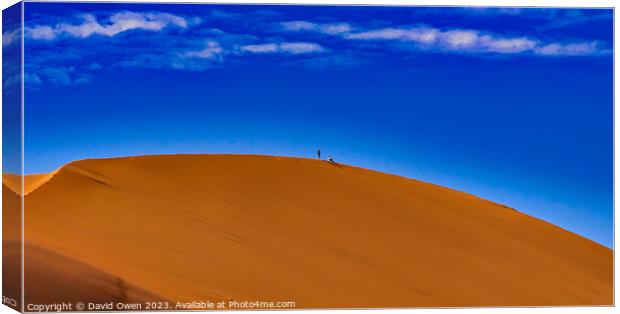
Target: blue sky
point(513, 105)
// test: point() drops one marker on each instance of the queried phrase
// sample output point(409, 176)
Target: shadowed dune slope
point(11, 255)
point(11, 215)
point(52, 278)
point(258, 228)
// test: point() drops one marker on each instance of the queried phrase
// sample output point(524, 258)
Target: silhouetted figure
point(330, 159)
point(318, 153)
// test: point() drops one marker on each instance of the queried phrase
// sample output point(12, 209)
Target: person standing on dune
point(318, 153)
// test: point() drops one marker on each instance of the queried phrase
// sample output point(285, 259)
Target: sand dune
point(31, 181)
point(257, 228)
point(52, 278)
point(11, 215)
point(11, 258)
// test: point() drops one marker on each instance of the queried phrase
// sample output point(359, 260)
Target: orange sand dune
point(11, 257)
point(257, 228)
point(11, 215)
point(31, 181)
point(52, 278)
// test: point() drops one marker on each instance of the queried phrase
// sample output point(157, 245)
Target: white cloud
point(330, 29)
point(213, 51)
point(301, 47)
point(473, 41)
point(511, 45)
point(431, 38)
point(40, 32)
point(121, 22)
point(423, 35)
point(115, 24)
point(460, 39)
point(9, 37)
point(261, 48)
point(574, 49)
point(285, 47)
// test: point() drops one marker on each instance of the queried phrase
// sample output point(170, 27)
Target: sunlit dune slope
point(220, 227)
point(31, 181)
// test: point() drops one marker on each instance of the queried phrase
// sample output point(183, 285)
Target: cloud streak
point(212, 51)
point(285, 47)
point(115, 24)
point(11, 36)
point(578, 49)
point(473, 41)
point(427, 38)
point(305, 26)
point(453, 40)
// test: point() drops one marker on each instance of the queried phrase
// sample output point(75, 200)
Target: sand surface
point(31, 181)
point(56, 278)
point(256, 228)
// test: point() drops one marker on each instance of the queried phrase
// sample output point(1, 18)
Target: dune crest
point(260, 228)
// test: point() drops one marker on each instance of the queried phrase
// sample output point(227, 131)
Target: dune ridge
point(249, 227)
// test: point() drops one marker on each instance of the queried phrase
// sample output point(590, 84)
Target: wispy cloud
point(305, 26)
point(474, 41)
point(40, 32)
point(419, 35)
point(429, 38)
point(115, 24)
point(284, 47)
point(212, 51)
point(578, 49)
point(9, 37)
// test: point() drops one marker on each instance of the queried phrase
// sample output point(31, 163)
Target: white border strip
point(23, 198)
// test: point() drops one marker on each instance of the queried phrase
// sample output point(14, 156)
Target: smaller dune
point(31, 181)
point(52, 277)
